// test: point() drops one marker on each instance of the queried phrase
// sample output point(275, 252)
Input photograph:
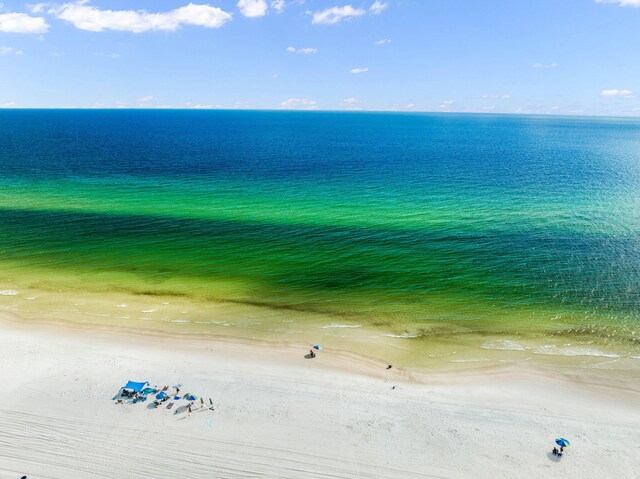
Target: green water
point(424, 225)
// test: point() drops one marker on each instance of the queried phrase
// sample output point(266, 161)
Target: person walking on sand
point(311, 353)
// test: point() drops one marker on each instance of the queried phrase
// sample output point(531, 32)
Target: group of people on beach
point(163, 395)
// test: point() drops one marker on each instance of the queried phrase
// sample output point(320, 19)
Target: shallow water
point(426, 227)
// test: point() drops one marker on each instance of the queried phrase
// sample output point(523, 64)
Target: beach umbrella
point(161, 395)
point(191, 397)
point(317, 346)
point(562, 442)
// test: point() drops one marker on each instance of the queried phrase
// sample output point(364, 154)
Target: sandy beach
point(280, 415)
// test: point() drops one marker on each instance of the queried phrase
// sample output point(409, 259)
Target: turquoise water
point(483, 223)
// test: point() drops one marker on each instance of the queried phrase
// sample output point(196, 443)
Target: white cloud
point(278, 5)
point(302, 51)
point(384, 41)
point(351, 104)
point(298, 104)
point(378, 7)
point(22, 23)
point(622, 3)
point(37, 7)
point(334, 15)
point(447, 105)
point(9, 104)
point(253, 8)
point(544, 65)
point(614, 92)
point(410, 106)
point(146, 99)
point(359, 70)
point(86, 17)
point(497, 97)
point(202, 106)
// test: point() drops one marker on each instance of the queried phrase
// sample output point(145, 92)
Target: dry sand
point(279, 415)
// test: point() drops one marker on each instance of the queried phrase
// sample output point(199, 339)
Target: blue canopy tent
point(134, 386)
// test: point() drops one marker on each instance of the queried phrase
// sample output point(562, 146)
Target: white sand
point(279, 415)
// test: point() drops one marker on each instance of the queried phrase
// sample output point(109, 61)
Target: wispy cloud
point(496, 97)
point(614, 92)
point(544, 65)
point(622, 3)
point(351, 104)
point(447, 105)
point(302, 51)
point(378, 7)
point(278, 5)
point(86, 17)
point(384, 41)
point(253, 8)
point(37, 7)
point(359, 70)
point(333, 15)
point(10, 50)
point(22, 23)
point(298, 104)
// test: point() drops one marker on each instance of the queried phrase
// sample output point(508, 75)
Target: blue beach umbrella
point(161, 395)
point(562, 442)
point(317, 346)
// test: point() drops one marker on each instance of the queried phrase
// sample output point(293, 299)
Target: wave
point(8, 292)
point(148, 311)
point(405, 335)
point(504, 344)
point(572, 351)
point(337, 326)
point(179, 321)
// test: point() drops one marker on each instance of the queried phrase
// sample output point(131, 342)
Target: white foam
point(469, 360)
point(179, 321)
point(222, 323)
point(338, 326)
point(121, 305)
point(165, 303)
point(503, 344)
point(30, 298)
point(405, 335)
point(8, 292)
point(148, 311)
point(572, 351)
point(121, 317)
point(146, 319)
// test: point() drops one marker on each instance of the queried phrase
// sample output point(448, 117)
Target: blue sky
point(513, 56)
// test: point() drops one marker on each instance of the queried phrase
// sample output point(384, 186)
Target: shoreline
point(413, 345)
point(278, 414)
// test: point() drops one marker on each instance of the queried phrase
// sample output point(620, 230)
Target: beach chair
point(170, 405)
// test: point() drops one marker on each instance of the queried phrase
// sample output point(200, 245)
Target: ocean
point(418, 228)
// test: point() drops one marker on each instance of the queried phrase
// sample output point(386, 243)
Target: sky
point(569, 57)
